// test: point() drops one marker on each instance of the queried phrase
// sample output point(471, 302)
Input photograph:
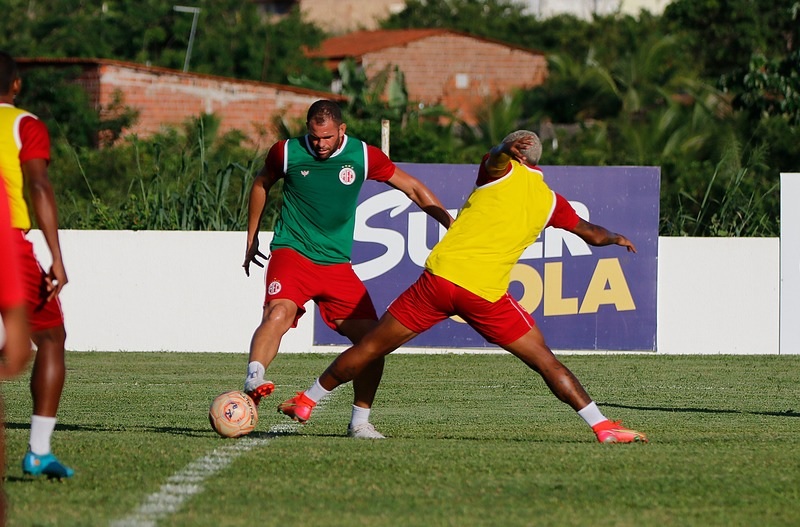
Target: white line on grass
point(186, 483)
point(181, 486)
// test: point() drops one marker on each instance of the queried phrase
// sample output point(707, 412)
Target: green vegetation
point(177, 180)
point(473, 440)
point(708, 91)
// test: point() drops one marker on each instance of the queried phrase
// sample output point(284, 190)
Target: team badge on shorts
point(274, 287)
point(347, 175)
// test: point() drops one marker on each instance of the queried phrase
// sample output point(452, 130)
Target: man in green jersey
point(322, 172)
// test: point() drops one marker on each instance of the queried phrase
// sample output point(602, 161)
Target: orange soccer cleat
point(298, 407)
point(613, 432)
point(257, 390)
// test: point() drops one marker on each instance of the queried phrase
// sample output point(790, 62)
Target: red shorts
point(335, 288)
point(432, 299)
point(42, 314)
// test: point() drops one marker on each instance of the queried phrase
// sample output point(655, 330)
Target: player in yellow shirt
point(24, 157)
point(468, 274)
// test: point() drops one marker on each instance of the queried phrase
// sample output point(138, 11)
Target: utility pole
point(195, 11)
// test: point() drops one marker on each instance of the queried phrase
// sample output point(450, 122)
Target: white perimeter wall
point(186, 291)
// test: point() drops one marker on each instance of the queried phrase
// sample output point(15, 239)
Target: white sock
point(316, 392)
point(592, 414)
point(359, 416)
point(255, 370)
point(41, 430)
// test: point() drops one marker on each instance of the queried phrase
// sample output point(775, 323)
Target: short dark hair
point(324, 110)
point(8, 72)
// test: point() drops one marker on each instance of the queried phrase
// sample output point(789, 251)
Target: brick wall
point(460, 72)
point(170, 97)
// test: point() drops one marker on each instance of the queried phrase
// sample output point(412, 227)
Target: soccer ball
point(233, 414)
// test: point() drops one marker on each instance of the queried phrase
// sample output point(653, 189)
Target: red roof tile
point(362, 42)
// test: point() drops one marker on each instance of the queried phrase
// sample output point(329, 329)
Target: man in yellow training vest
point(24, 157)
point(468, 274)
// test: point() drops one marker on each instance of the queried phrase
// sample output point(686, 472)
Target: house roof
point(360, 43)
point(57, 61)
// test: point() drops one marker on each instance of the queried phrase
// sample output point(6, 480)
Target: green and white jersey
point(320, 195)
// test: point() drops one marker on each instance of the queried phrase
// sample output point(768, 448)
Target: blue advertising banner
point(582, 297)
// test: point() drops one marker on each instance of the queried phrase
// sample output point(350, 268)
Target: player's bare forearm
point(429, 203)
point(255, 211)
point(422, 196)
point(43, 200)
point(599, 236)
point(44, 206)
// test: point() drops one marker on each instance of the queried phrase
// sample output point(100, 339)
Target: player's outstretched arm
point(598, 235)
point(420, 194)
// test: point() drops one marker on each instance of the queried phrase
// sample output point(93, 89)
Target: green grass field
point(473, 440)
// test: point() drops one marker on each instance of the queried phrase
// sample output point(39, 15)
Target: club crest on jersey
point(347, 175)
point(304, 172)
point(274, 287)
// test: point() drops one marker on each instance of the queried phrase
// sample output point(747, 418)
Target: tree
point(574, 92)
point(721, 35)
point(772, 88)
point(500, 19)
point(232, 39)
